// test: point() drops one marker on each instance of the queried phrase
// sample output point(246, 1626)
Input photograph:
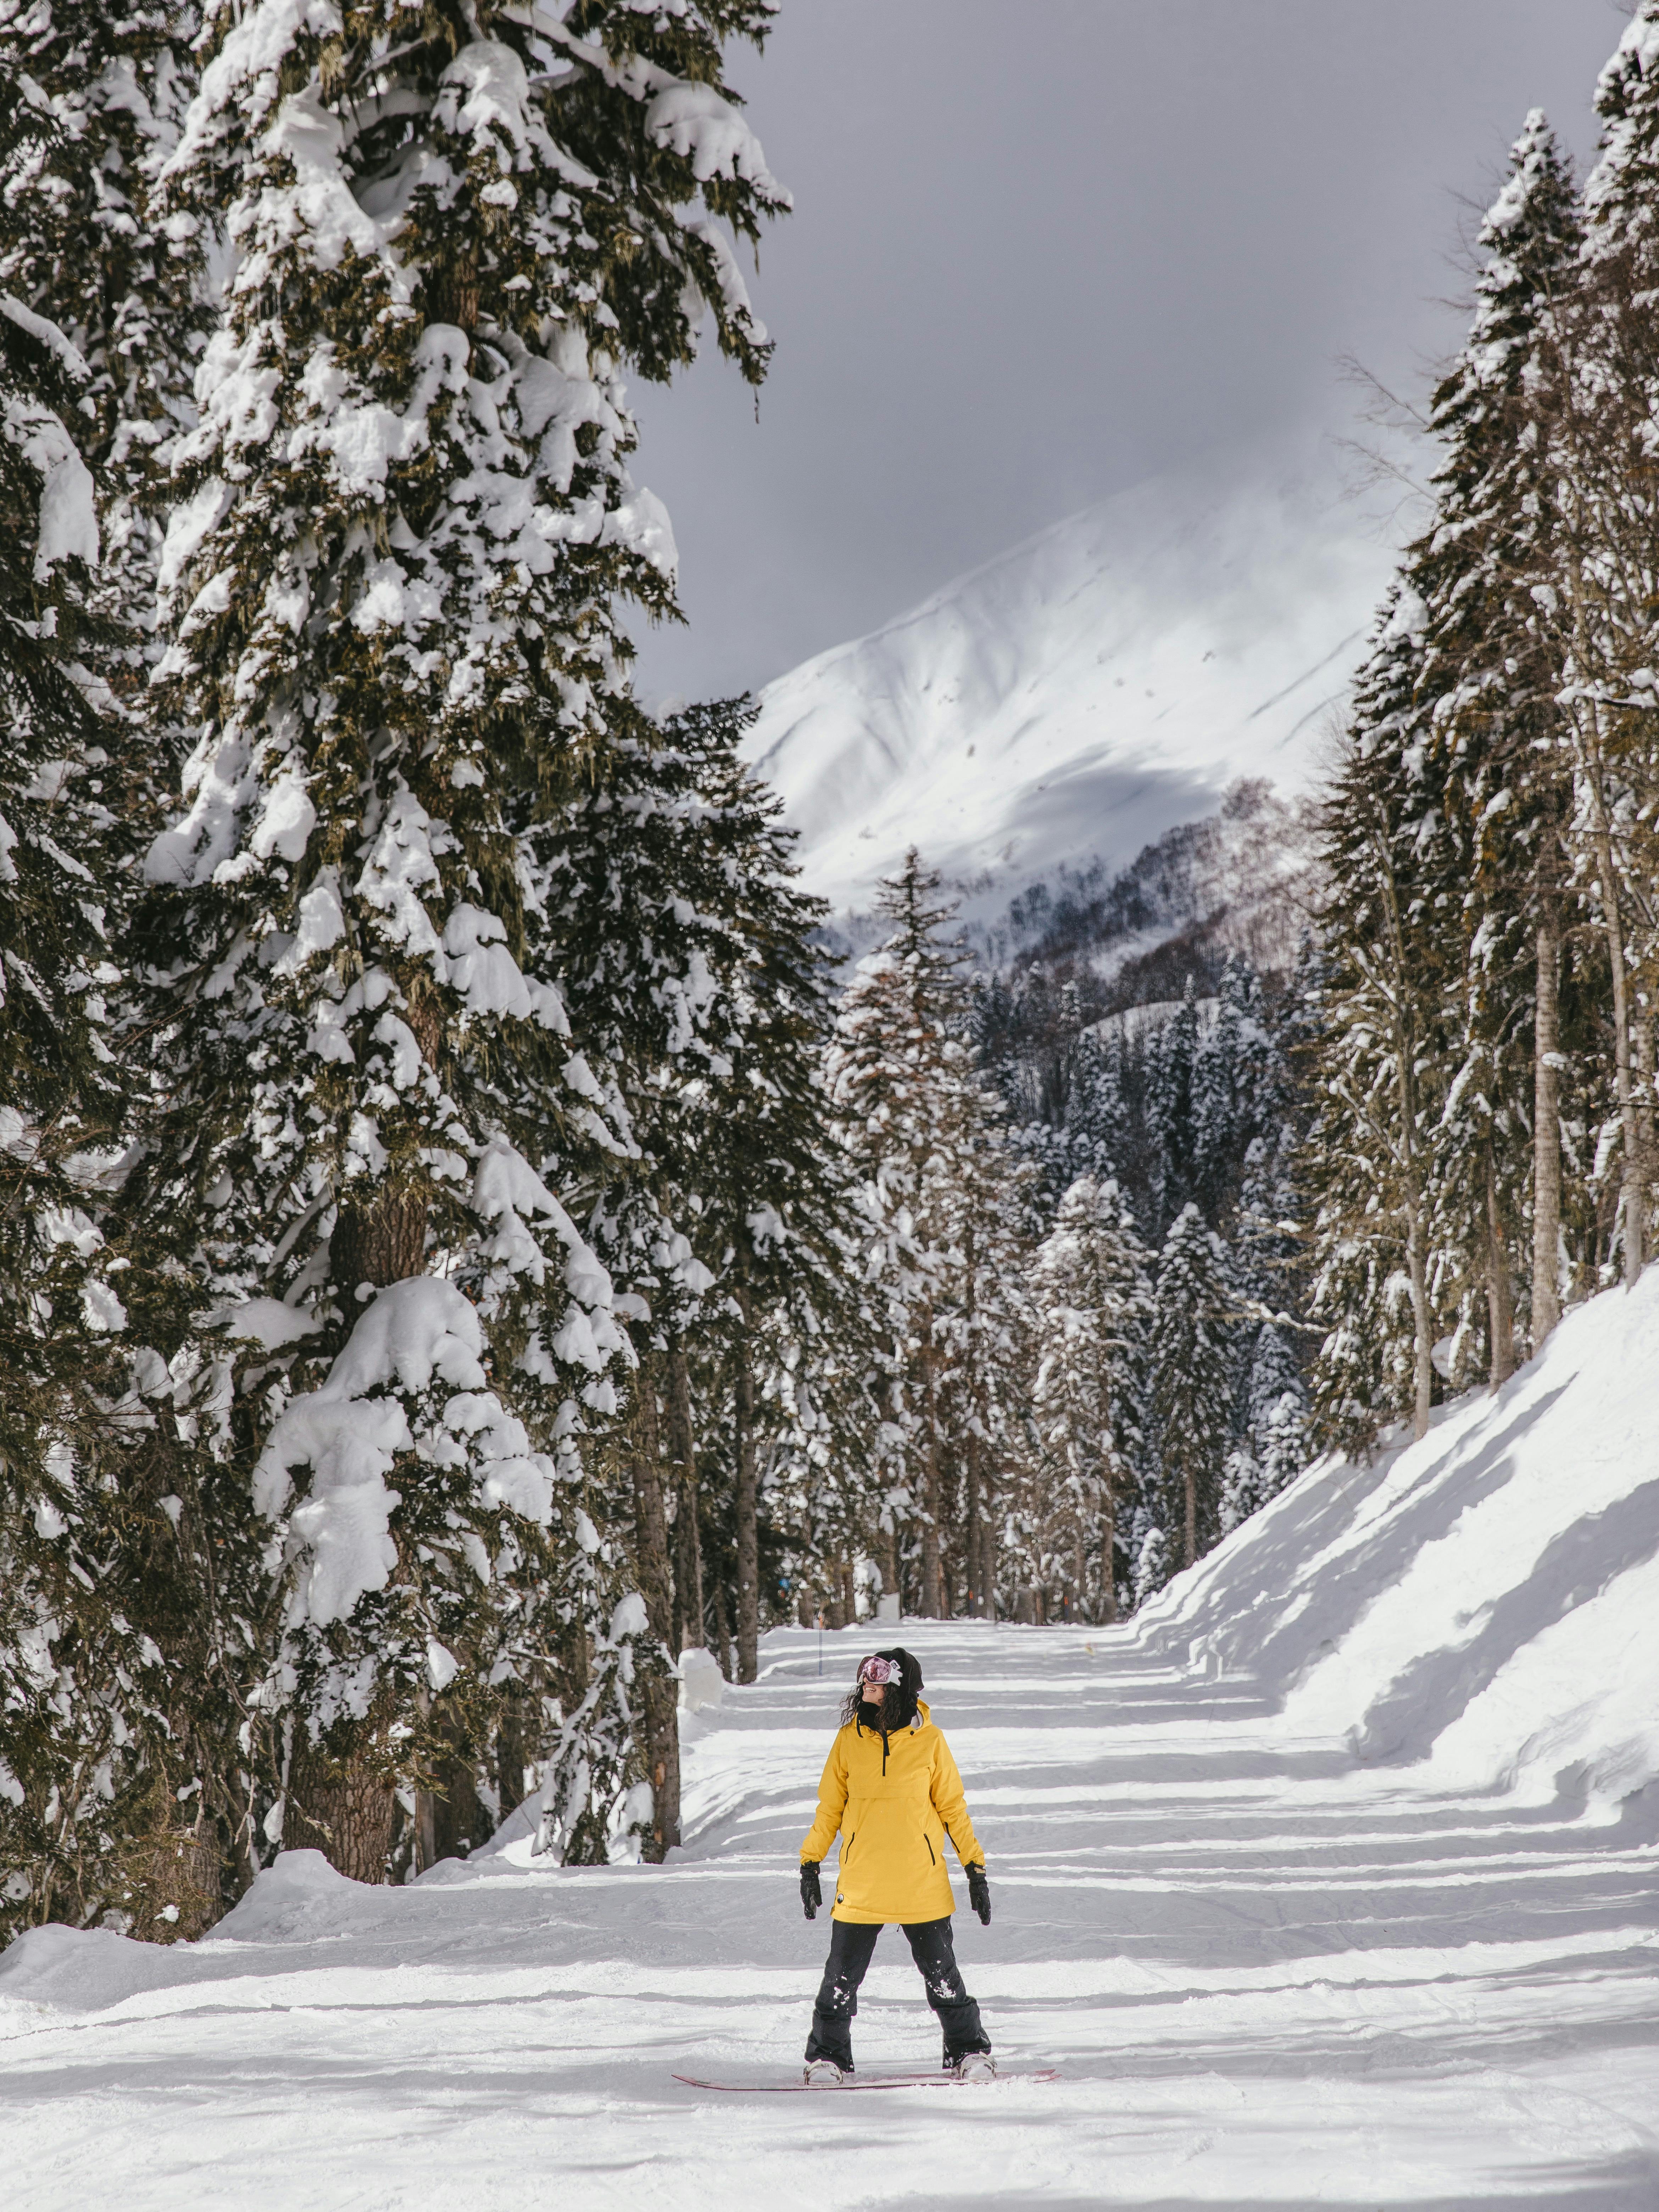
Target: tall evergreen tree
point(1496, 762)
point(1097, 1112)
point(1596, 411)
point(81, 1701)
point(1273, 1448)
point(1190, 1393)
point(405, 521)
point(1089, 1291)
point(941, 1208)
point(1172, 1112)
point(1380, 1058)
point(689, 959)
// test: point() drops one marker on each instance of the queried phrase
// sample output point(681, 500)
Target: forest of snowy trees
point(464, 1240)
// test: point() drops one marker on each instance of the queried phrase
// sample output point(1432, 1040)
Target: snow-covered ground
point(1085, 692)
point(1330, 1882)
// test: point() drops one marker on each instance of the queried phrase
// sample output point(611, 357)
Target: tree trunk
point(1642, 1054)
point(1546, 1132)
point(1108, 1501)
point(1108, 1554)
point(460, 1816)
point(659, 1690)
point(682, 1451)
point(510, 1759)
point(339, 1807)
point(1500, 1300)
point(452, 293)
point(380, 1243)
point(973, 1547)
point(180, 1867)
point(1592, 752)
point(932, 1594)
point(426, 1831)
point(1411, 1176)
point(987, 1546)
point(722, 1645)
point(660, 1716)
point(1422, 1342)
point(747, 1507)
point(1190, 1531)
point(1625, 1088)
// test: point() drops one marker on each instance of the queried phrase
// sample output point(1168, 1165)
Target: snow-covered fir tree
point(1097, 1132)
point(1598, 402)
point(941, 1202)
point(1189, 1397)
point(404, 523)
point(1495, 763)
point(1382, 1059)
point(1172, 1114)
point(1273, 1448)
point(689, 958)
point(1089, 1293)
point(82, 1699)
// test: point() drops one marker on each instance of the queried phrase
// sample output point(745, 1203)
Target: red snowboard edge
point(938, 2080)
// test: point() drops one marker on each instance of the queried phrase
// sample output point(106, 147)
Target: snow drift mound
point(1483, 1605)
point(1079, 696)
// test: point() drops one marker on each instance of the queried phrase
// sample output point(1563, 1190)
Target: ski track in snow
point(1271, 1973)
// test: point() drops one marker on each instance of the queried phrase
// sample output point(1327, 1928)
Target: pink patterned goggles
point(878, 1670)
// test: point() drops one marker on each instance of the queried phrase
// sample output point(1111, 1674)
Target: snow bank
point(701, 1683)
point(1485, 1603)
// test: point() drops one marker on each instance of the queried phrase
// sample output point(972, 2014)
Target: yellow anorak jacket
point(894, 1806)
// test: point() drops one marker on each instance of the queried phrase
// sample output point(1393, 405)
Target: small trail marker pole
point(820, 1640)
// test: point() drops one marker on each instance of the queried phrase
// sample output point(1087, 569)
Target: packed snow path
point(1330, 1881)
point(1268, 1978)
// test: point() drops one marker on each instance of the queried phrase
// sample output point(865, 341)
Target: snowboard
point(937, 2080)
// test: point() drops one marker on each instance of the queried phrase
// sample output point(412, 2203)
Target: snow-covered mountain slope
point(1328, 1881)
point(1081, 694)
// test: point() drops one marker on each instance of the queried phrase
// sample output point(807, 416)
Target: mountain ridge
point(1067, 704)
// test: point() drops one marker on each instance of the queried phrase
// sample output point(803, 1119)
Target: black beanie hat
point(908, 1665)
point(898, 1712)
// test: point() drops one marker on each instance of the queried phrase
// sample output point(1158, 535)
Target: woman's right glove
point(979, 1893)
point(810, 1895)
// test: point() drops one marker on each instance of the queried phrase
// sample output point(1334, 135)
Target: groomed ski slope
point(1331, 1881)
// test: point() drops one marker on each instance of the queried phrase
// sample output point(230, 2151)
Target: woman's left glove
point(810, 1895)
point(979, 1892)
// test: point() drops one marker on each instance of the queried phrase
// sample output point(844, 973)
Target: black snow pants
point(851, 1945)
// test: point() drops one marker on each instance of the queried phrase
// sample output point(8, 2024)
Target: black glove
point(810, 1895)
point(979, 1892)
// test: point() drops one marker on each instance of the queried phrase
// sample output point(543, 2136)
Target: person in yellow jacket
point(891, 1790)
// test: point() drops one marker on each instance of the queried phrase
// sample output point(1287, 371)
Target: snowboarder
point(891, 1787)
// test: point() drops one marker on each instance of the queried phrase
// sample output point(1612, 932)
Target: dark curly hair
point(897, 1707)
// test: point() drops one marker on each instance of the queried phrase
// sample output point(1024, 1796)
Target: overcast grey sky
point(1043, 249)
